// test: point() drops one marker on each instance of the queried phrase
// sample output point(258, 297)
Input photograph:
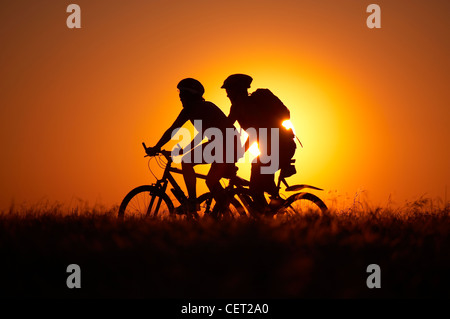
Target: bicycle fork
point(158, 189)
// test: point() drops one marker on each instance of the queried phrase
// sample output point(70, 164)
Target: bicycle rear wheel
point(146, 201)
point(301, 204)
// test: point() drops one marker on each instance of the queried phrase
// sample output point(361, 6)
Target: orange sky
point(370, 106)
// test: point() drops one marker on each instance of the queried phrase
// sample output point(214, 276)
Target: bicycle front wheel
point(146, 201)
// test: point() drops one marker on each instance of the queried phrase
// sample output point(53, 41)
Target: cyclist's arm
point(197, 139)
point(167, 136)
point(232, 116)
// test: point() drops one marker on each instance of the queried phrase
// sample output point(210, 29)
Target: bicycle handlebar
point(167, 154)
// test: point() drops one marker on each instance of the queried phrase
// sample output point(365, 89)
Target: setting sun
point(287, 124)
point(254, 150)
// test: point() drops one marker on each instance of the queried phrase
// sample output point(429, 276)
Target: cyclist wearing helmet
point(196, 109)
point(261, 110)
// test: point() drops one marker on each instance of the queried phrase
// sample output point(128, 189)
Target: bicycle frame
point(161, 184)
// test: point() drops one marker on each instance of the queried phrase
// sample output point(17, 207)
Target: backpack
point(268, 103)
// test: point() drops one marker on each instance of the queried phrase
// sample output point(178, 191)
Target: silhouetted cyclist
point(261, 110)
point(208, 115)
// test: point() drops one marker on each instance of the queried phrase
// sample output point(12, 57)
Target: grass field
point(308, 256)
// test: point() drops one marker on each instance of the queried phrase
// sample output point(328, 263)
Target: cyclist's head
point(237, 85)
point(237, 81)
point(191, 86)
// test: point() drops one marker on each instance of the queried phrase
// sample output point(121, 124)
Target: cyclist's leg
point(216, 172)
point(260, 183)
point(190, 179)
point(287, 151)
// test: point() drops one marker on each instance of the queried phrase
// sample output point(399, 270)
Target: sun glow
point(288, 125)
point(254, 149)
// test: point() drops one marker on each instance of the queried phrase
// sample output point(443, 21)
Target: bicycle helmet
point(191, 85)
point(237, 81)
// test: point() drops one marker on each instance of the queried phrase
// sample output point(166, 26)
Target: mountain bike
point(153, 200)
